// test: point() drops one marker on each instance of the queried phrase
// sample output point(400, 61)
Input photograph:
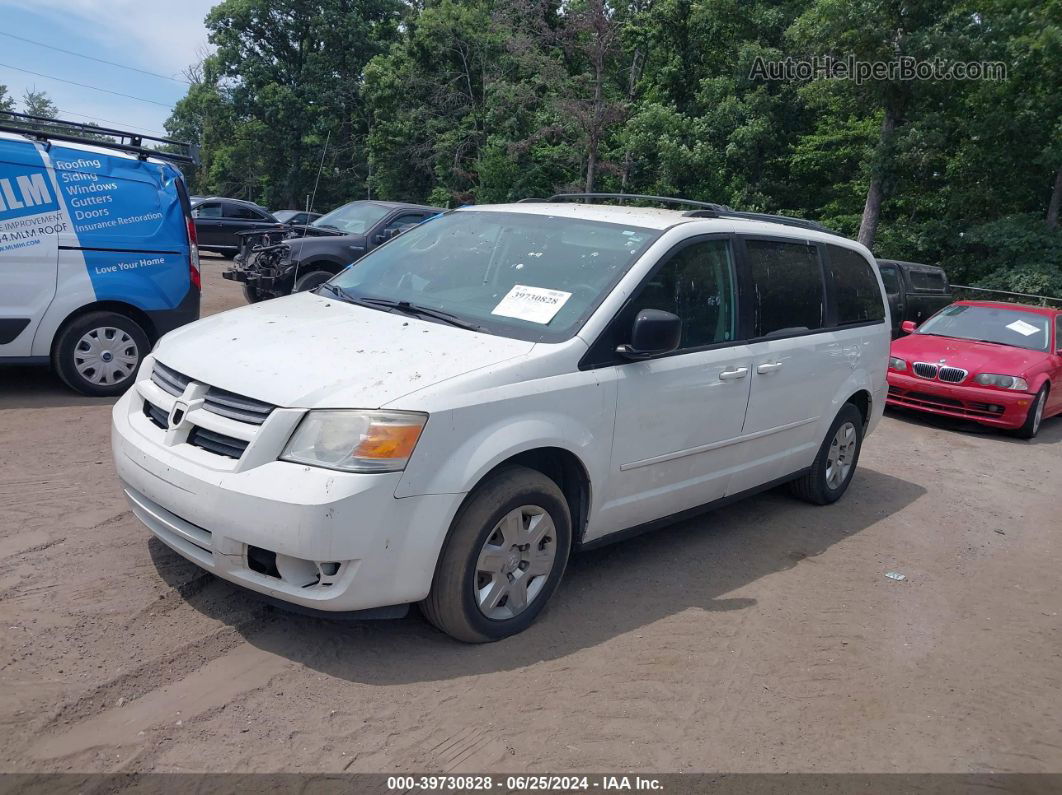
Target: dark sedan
point(219, 220)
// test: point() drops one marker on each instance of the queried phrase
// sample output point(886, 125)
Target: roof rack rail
point(561, 197)
point(703, 209)
point(82, 133)
point(786, 220)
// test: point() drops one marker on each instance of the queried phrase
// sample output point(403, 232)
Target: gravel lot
point(762, 637)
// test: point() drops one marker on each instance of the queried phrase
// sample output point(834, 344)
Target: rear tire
point(1034, 419)
point(836, 461)
point(99, 353)
point(503, 559)
point(310, 280)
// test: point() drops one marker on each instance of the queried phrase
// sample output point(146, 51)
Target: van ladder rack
point(82, 133)
point(703, 209)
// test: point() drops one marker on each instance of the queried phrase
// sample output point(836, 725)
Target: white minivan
point(446, 421)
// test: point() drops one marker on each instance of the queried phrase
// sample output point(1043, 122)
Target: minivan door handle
point(770, 367)
point(733, 375)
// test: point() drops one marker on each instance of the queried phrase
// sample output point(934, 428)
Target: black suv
point(272, 263)
point(218, 222)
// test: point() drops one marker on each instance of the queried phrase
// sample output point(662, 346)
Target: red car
point(997, 364)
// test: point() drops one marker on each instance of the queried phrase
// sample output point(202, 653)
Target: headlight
point(356, 441)
point(897, 364)
point(1002, 381)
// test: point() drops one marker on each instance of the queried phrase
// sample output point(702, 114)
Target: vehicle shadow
point(605, 593)
point(1050, 429)
point(38, 387)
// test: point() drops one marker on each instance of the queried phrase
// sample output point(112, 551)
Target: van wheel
point(99, 353)
point(310, 280)
point(1035, 417)
point(835, 464)
point(504, 557)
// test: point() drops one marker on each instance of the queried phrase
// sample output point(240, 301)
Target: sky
point(161, 36)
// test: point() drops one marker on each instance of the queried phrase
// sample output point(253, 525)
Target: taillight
point(193, 256)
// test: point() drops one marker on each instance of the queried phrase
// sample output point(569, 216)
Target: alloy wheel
point(840, 455)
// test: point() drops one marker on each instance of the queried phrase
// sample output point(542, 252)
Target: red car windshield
point(991, 324)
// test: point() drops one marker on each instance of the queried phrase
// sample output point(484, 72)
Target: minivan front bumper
point(318, 538)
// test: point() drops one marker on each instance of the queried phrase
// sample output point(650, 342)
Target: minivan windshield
point(523, 275)
point(355, 218)
point(990, 324)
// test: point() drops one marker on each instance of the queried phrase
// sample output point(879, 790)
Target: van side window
point(855, 290)
point(211, 210)
point(696, 284)
point(890, 278)
point(787, 288)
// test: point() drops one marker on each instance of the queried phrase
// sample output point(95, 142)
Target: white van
point(445, 421)
point(98, 254)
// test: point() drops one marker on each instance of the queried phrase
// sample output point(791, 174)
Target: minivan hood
point(309, 351)
point(976, 357)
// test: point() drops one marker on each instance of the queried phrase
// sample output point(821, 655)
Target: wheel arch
point(137, 315)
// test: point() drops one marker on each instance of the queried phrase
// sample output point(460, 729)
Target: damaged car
point(278, 262)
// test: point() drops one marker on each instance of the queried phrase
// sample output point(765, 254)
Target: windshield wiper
point(420, 311)
point(337, 291)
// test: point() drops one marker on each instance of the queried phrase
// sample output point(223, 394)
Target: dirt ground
point(762, 637)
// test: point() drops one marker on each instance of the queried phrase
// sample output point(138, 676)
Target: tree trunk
point(868, 227)
point(1056, 199)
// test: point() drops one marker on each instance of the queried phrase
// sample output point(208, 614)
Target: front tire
point(836, 461)
point(251, 294)
point(99, 353)
point(310, 280)
point(504, 557)
point(1035, 417)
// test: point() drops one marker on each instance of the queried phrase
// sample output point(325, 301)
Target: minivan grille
point(925, 370)
point(236, 407)
point(217, 443)
point(169, 380)
point(156, 415)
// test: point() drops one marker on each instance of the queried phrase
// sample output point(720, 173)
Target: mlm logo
point(27, 191)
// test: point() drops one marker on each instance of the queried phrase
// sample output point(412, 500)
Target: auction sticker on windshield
point(534, 304)
point(1022, 327)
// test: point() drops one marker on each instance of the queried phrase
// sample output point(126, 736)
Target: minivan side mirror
point(654, 332)
point(908, 326)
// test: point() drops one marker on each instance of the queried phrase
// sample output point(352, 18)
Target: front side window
point(855, 290)
point(406, 219)
point(787, 289)
point(355, 218)
point(523, 275)
point(696, 284)
point(998, 325)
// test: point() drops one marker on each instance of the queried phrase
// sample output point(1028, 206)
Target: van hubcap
point(106, 355)
point(515, 562)
point(840, 455)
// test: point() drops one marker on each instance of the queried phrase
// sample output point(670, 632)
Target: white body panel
point(654, 437)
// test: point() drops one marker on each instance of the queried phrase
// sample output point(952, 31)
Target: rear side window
point(855, 290)
point(207, 210)
point(696, 284)
point(929, 281)
point(243, 213)
point(890, 278)
point(787, 289)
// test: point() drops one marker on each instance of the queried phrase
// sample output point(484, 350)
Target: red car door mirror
point(908, 326)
